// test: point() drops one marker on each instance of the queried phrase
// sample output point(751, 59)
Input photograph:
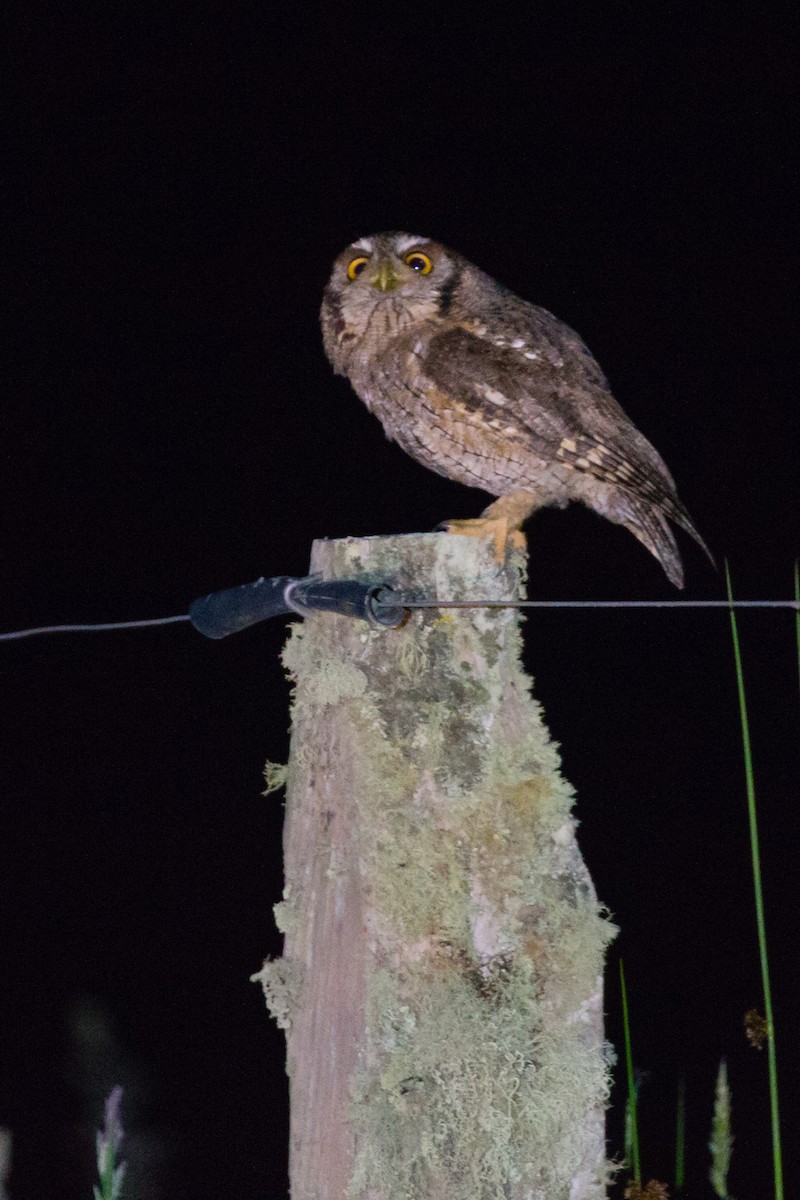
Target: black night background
point(180, 179)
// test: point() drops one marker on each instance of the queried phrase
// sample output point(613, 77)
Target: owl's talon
point(506, 537)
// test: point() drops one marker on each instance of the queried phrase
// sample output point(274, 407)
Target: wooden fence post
point(441, 983)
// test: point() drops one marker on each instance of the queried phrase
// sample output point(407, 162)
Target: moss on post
point(441, 985)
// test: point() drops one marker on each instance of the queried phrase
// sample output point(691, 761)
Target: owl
point(492, 391)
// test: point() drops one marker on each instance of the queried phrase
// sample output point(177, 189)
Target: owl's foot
point(502, 520)
point(506, 536)
point(515, 508)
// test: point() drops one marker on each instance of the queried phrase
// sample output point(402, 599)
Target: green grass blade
point(680, 1138)
point(755, 854)
point(634, 1123)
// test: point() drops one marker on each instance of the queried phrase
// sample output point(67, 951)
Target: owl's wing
point(552, 386)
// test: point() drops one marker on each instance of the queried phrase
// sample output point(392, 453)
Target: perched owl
point(492, 391)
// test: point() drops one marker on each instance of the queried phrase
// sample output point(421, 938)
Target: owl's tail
point(650, 525)
point(680, 516)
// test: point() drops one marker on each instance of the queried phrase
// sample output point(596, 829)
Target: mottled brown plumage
point(492, 391)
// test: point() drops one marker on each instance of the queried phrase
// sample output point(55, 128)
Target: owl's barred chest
point(391, 380)
point(395, 386)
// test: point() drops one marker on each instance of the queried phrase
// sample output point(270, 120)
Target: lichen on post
point(441, 983)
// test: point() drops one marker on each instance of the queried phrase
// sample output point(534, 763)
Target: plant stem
point(680, 1137)
point(637, 1170)
point(759, 899)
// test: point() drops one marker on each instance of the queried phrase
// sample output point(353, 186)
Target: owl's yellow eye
point(419, 262)
point(356, 267)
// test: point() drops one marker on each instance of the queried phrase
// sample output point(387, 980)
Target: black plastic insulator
point(222, 613)
point(348, 597)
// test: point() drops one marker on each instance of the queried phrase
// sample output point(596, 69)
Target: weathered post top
point(441, 984)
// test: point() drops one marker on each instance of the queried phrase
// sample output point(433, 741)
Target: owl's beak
point(385, 278)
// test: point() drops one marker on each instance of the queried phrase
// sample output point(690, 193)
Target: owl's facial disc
point(380, 286)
